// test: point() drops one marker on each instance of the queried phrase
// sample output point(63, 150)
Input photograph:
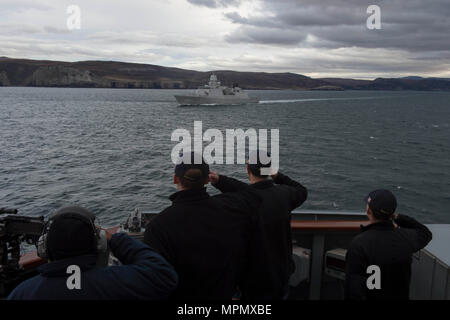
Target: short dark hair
point(193, 179)
point(257, 172)
point(255, 168)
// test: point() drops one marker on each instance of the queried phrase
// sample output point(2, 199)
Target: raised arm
point(144, 274)
point(227, 184)
point(298, 193)
point(419, 234)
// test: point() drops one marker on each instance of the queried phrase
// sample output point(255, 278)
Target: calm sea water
point(109, 150)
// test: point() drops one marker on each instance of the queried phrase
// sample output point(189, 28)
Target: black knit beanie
point(70, 234)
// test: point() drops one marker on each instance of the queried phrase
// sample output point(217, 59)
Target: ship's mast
point(213, 83)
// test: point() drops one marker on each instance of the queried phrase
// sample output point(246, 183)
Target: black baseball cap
point(181, 168)
point(255, 168)
point(382, 201)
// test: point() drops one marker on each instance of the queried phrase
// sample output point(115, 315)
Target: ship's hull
point(193, 100)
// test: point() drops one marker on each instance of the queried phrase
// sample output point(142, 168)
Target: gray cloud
point(326, 38)
point(215, 3)
point(27, 29)
point(406, 24)
point(250, 34)
point(22, 5)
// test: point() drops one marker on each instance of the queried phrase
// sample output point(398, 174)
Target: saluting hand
point(108, 233)
point(394, 217)
point(213, 177)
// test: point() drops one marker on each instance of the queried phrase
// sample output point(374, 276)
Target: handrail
point(295, 212)
point(328, 225)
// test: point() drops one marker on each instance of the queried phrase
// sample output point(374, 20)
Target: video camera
point(14, 230)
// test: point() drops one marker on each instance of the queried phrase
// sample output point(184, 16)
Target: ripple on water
point(109, 150)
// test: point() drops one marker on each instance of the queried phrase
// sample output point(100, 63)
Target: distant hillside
point(347, 83)
point(421, 78)
point(407, 83)
point(111, 74)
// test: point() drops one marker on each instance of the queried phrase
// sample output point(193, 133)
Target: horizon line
point(218, 70)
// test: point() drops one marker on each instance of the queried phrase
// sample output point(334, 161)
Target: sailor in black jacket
point(270, 249)
point(204, 237)
point(388, 243)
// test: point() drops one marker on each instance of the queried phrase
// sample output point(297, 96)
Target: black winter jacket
point(389, 248)
point(205, 238)
point(270, 249)
point(144, 275)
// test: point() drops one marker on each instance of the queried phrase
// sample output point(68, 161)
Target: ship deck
point(319, 233)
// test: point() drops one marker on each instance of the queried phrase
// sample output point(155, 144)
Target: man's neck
point(254, 179)
point(371, 221)
point(181, 188)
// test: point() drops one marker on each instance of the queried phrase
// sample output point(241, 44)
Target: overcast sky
point(326, 38)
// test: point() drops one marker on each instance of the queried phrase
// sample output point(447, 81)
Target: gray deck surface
point(440, 245)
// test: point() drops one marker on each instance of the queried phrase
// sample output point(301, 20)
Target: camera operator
point(71, 242)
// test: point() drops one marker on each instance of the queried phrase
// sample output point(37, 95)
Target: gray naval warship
point(215, 94)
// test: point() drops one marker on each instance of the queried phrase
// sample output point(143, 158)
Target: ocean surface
point(109, 149)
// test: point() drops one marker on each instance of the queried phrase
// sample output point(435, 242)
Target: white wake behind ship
point(214, 93)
